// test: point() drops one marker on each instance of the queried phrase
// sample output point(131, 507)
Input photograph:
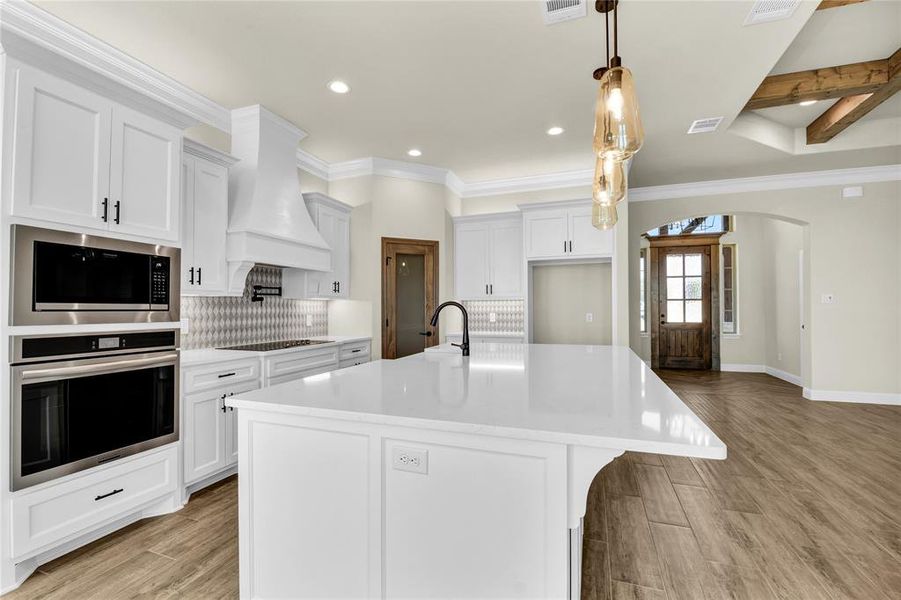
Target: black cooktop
point(270, 346)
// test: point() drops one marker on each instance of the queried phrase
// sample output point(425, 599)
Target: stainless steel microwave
point(60, 277)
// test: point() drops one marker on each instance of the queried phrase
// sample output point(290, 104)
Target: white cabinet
point(204, 220)
point(554, 233)
point(332, 219)
point(288, 366)
point(83, 160)
point(210, 442)
point(488, 257)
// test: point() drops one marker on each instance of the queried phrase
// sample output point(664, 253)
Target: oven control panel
point(33, 348)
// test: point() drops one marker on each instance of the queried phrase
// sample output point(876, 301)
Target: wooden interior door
point(684, 307)
point(409, 295)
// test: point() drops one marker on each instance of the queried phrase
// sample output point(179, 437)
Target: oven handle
point(99, 368)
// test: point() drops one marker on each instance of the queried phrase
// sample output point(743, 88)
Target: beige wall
point(561, 297)
point(851, 250)
point(389, 207)
point(783, 243)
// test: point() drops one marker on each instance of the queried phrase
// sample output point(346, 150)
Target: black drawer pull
point(112, 493)
point(360, 349)
point(227, 375)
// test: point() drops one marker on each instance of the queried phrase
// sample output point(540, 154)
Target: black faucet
point(465, 345)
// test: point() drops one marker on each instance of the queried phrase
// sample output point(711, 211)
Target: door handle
point(101, 367)
point(105, 204)
point(116, 218)
point(425, 333)
point(191, 271)
point(198, 274)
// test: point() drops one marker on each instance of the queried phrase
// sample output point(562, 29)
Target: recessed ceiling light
point(339, 87)
point(555, 130)
point(807, 102)
point(414, 152)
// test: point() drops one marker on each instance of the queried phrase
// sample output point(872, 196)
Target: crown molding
point(787, 181)
point(39, 38)
point(312, 164)
point(209, 154)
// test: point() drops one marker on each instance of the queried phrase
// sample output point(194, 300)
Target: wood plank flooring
point(806, 506)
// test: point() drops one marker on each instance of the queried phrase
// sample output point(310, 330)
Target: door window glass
point(684, 288)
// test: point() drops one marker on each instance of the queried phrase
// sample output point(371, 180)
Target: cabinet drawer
point(50, 514)
point(301, 361)
point(355, 350)
point(300, 374)
point(352, 362)
point(208, 377)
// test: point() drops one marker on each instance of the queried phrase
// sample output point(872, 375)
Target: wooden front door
point(683, 307)
point(409, 295)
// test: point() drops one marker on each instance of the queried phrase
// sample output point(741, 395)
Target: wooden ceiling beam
point(836, 3)
point(850, 109)
point(820, 84)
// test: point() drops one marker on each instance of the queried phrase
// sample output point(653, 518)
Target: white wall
point(389, 207)
point(561, 297)
point(851, 250)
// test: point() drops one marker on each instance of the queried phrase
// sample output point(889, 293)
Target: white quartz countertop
point(213, 355)
point(489, 334)
point(601, 396)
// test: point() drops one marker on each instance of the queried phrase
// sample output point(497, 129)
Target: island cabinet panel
point(333, 509)
point(311, 513)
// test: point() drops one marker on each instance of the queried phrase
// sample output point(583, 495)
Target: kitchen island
point(439, 475)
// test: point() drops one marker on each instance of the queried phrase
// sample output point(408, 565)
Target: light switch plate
point(589, 317)
point(410, 459)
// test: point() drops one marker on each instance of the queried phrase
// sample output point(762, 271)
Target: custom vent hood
point(268, 221)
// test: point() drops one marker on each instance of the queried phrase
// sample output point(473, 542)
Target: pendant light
point(609, 185)
point(617, 127)
point(603, 216)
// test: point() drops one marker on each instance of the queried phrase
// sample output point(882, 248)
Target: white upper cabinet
point(144, 176)
point(85, 161)
point(555, 233)
point(205, 220)
point(62, 151)
point(332, 219)
point(488, 257)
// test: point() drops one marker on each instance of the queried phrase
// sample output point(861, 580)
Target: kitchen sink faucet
point(465, 345)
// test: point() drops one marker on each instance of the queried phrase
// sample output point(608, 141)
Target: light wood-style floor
point(808, 505)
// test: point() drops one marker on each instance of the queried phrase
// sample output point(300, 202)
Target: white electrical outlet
point(185, 326)
point(492, 317)
point(589, 317)
point(410, 459)
point(309, 320)
point(827, 299)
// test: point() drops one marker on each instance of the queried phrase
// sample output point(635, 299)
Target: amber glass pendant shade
point(603, 216)
point(617, 124)
point(609, 186)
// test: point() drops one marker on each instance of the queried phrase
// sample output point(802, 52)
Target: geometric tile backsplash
point(509, 316)
point(217, 321)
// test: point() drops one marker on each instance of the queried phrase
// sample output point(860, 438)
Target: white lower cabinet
point(209, 431)
point(47, 515)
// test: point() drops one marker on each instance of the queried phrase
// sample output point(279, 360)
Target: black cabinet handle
point(492, 289)
point(338, 283)
point(486, 289)
point(191, 271)
point(226, 375)
point(222, 401)
point(360, 349)
point(198, 275)
point(570, 246)
point(112, 493)
point(116, 219)
point(564, 246)
point(105, 204)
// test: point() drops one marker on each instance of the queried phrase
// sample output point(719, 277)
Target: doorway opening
point(409, 295)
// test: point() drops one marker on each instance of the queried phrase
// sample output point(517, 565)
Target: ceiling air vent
point(556, 11)
point(764, 11)
point(705, 125)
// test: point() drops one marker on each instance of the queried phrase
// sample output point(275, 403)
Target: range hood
point(268, 221)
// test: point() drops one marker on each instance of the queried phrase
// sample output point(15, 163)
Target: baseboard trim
point(742, 368)
point(783, 375)
point(856, 397)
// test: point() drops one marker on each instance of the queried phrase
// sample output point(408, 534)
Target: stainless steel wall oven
point(83, 400)
point(64, 278)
